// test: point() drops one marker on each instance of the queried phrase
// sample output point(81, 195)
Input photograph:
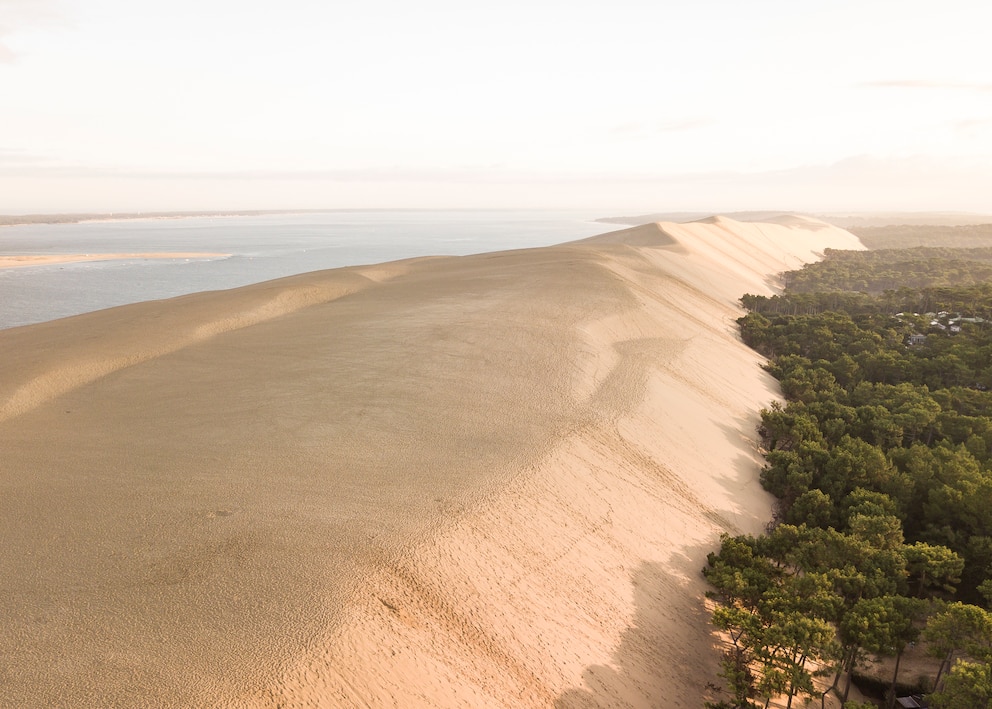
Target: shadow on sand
point(669, 655)
point(666, 656)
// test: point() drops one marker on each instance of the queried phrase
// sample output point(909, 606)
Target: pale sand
point(487, 481)
point(21, 260)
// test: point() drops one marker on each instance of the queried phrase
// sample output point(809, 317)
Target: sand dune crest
point(101, 344)
point(577, 584)
point(484, 481)
point(652, 235)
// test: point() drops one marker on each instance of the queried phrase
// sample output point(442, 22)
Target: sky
point(622, 106)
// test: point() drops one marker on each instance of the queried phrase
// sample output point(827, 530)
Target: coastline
point(111, 217)
point(26, 260)
point(486, 480)
point(82, 218)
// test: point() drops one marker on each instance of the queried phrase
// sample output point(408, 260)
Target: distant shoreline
point(83, 217)
point(20, 261)
point(79, 218)
point(844, 220)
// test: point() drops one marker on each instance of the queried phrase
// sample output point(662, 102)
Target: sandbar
point(22, 260)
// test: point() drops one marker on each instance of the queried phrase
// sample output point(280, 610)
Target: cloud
point(865, 183)
point(18, 164)
point(7, 55)
point(925, 84)
point(855, 184)
point(644, 128)
point(16, 12)
point(973, 125)
point(16, 156)
point(16, 15)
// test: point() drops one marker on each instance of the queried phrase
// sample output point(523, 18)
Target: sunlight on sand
point(485, 481)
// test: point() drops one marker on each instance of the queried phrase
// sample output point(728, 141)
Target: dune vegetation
point(881, 463)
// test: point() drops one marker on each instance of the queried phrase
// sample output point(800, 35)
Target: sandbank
point(22, 260)
point(79, 218)
point(485, 481)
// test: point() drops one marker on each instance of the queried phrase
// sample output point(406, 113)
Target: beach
point(475, 481)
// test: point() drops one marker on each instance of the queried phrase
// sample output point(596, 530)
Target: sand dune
point(477, 481)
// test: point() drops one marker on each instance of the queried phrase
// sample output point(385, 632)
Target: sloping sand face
point(476, 481)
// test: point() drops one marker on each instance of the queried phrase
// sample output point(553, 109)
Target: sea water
point(260, 247)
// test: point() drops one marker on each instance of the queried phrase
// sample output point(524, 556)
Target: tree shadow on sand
point(667, 656)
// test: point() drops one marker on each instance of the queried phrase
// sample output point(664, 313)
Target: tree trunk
point(895, 678)
point(823, 697)
point(850, 671)
point(940, 670)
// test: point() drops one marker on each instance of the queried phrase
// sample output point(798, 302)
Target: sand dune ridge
point(577, 584)
point(144, 331)
point(483, 481)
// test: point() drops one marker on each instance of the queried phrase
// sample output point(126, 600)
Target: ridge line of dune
point(489, 483)
point(293, 293)
point(575, 583)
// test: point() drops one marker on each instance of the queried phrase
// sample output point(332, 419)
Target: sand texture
point(482, 481)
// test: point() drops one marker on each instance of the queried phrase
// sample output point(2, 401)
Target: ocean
point(261, 247)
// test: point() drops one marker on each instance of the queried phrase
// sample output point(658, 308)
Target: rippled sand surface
point(465, 481)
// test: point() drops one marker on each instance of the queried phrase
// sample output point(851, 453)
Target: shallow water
point(261, 247)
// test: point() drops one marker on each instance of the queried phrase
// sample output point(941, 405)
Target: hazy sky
point(118, 105)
